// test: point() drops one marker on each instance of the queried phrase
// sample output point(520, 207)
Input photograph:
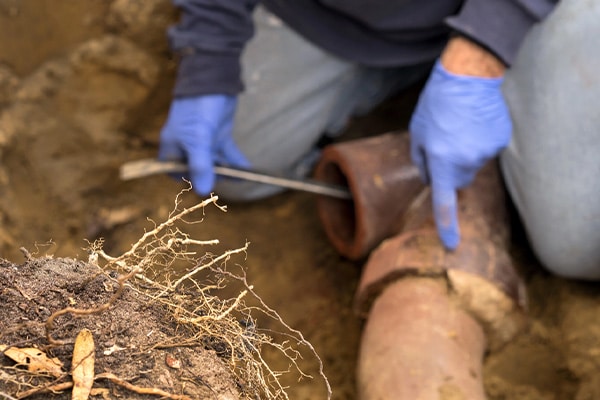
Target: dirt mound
point(135, 340)
point(157, 332)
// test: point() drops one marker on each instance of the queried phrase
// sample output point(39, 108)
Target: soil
point(84, 89)
point(144, 353)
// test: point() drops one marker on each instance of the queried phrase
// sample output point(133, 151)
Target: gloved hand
point(460, 122)
point(198, 130)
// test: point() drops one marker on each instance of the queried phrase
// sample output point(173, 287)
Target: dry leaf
point(83, 365)
point(35, 360)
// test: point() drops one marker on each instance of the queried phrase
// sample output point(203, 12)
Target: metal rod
point(147, 167)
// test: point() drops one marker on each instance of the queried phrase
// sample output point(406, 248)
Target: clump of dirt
point(173, 340)
point(135, 340)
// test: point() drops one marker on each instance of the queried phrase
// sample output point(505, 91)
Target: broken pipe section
point(430, 314)
point(383, 182)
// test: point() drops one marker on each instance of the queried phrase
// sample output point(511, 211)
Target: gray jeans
point(552, 166)
point(296, 92)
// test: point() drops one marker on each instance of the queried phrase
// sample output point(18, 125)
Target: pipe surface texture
point(383, 183)
point(418, 344)
point(432, 313)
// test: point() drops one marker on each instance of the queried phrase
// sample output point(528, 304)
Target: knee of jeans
point(568, 258)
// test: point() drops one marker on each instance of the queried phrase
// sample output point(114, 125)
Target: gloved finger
point(445, 212)
point(419, 158)
point(417, 151)
point(201, 172)
point(169, 149)
point(417, 154)
point(230, 154)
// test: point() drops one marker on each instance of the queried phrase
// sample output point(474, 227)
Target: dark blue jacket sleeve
point(209, 39)
point(499, 25)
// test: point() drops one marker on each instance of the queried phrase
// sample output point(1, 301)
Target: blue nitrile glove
point(198, 131)
point(460, 122)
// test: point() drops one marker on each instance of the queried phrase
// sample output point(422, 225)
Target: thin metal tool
point(147, 167)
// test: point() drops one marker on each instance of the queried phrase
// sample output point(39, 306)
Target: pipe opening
point(338, 216)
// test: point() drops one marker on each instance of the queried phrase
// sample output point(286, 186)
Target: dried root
point(213, 319)
point(228, 326)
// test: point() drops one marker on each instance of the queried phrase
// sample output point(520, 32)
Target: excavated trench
point(85, 86)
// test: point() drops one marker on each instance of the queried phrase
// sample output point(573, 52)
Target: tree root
point(140, 390)
point(59, 387)
point(229, 323)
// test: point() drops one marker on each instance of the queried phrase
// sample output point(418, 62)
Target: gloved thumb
point(445, 214)
point(231, 155)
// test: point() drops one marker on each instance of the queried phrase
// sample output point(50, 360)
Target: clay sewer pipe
point(383, 183)
point(432, 314)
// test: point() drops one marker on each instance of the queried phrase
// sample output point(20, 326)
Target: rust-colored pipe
point(432, 313)
point(418, 344)
point(383, 183)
